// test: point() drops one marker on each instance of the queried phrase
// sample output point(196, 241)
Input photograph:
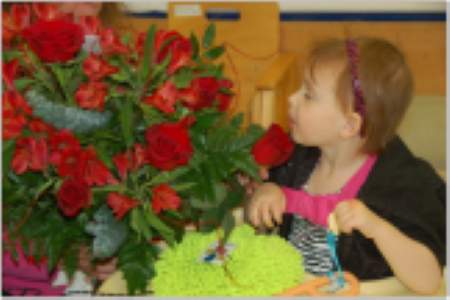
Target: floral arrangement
point(115, 141)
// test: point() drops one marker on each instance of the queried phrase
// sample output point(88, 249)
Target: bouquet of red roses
point(113, 141)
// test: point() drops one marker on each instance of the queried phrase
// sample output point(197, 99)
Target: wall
point(418, 28)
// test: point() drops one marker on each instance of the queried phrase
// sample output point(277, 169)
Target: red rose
point(168, 145)
point(164, 198)
point(274, 148)
point(73, 196)
point(54, 41)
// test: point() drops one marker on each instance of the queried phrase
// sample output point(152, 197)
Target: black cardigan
point(404, 190)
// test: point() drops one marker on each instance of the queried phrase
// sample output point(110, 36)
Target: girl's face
point(80, 8)
point(316, 117)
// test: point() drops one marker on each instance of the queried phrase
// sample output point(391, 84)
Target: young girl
point(27, 277)
point(349, 161)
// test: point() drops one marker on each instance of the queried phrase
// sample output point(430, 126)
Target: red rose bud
point(91, 95)
point(168, 146)
point(122, 164)
point(139, 157)
point(40, 127)
point(179, 47)
point(164, 198)
point(13, 24)
point(54, 41)
point(164, 98)
point(96, 68)
point(121, 204)
point(92, 169)
point(73, 196)
point(274, 148)
point(48, 12)
point(30, 153)
point(110, 42)
point(201, 93)
point(13, 125)
point(90, 24)
point(13, 114)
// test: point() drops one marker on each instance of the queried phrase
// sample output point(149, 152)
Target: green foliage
point(136, 260)
point(209, 36)
point(148, 55)
point(7, 154)
point(214, 53)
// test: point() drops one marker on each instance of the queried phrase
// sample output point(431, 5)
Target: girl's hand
point(353, 214)
point(251, 184)
point(267, 203)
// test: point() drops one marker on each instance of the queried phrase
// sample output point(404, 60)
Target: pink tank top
point(317, 208)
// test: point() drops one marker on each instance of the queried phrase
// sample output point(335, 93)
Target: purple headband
point(352, 51)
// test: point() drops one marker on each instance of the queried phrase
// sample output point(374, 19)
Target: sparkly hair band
point(352, 51)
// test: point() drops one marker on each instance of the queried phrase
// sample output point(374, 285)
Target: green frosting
point(261, 265)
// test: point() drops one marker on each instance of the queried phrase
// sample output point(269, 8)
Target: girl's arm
point(412, 262)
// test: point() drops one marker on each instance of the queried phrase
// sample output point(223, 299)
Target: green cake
point(260, 265)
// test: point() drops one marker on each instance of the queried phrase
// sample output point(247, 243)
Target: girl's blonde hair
point(386, 82)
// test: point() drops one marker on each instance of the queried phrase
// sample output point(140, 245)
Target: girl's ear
point(352, 125)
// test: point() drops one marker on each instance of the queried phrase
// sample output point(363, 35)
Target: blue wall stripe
point(324, 17)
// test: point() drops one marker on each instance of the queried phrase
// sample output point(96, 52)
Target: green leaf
point(183, 79)
point(209, 35)
point(139, 224)
point(166, 176)
point(246, 163)
point(226, 91)
point(206, 121)
point(148, 50)
point(44, 187)
point(161, 68)
point(184, 186)
point(174, 213)
point(126, 38)
point(126, 119)
point(159, 225)
point(234, 199)
point(205, 186)
point(109, 188)
point(228, 224)
point(195, 46)
point(22, 83)
point(8, 148)
point(212, 218)
point(70, 261)
point(214, 53)
point(135, 261)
